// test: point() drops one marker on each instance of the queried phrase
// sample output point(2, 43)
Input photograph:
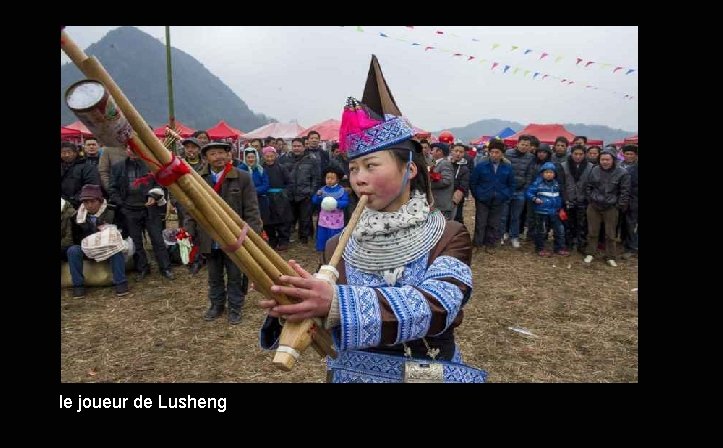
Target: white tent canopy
point(276, 130)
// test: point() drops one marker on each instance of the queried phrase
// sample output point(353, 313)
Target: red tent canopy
point(79, 126)
point(547, 133)
point(421, 133)
point(68, 132)
point(184, 130)
point(327, 129)
point(223, 130)
point(632, 140)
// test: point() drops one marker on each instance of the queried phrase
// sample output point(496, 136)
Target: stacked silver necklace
point(383, 242)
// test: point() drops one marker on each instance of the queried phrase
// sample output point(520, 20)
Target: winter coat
point(239, 193)
point(549, 192)
point(519, 162)
point(489, 187)
point(73, 177)
point(608, 188)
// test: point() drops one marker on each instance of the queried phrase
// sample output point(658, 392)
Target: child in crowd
point(333, 199)
point(547, 201)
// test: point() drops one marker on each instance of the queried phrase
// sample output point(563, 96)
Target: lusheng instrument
point(114, 120)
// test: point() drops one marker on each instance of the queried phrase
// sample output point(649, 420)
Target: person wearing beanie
point(607, 193)
point(404, 276)
point(92, 215)
point(225, 280)
point(492, 185)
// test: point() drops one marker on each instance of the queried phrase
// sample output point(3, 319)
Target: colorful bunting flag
point(588, 64)
point(543, 55)
point(617, 68)
point(507, 67)
point(527, 51)
point(579, 60)
point(494, 65)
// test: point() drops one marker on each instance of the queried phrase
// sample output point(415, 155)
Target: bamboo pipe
point(96, 70)
point(296, 336)
point(162, 155)
point(92, 68)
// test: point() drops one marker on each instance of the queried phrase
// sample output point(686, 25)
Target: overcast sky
point(306, 73)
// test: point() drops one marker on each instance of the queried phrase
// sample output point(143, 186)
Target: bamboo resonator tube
point(296, 336)
point(253, 255)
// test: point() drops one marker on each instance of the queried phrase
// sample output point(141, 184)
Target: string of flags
point(499, 66)
point(548, 56)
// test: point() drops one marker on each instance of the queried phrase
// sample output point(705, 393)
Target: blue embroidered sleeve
point(447, 294)
point(411, 310)
point(445, 266)
point(361, 322)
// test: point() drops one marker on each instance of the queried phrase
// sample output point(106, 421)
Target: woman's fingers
point(305, 283)
point(302, 307)
point(299, 270)
point(301, 293)
point(267, 303)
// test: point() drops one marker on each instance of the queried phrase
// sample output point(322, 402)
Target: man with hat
point(93, 213)
point(237, 189)
point(405, 273)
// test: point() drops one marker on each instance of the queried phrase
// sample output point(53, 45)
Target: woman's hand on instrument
point(315, 295)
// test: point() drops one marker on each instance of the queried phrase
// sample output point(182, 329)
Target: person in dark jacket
point(304, 170)
point(90, 151)
point(93, 213)
point(278, 224)
point(461, 166)
point(577, 171)
point(75, 173)
point(131, 188)
point(492, 185)
point(520, 159)
point(607, 192)
point(630, 233)
point(236, 188)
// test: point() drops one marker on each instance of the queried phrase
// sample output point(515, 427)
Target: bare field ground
point(583, 321)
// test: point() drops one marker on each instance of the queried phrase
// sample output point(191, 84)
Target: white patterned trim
point(412, 311)
point(361, 321)
point(447, 294)
point(413, 275)
point(449, 267)
point(366, 367)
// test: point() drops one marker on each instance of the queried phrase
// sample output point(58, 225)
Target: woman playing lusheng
point(405, 275)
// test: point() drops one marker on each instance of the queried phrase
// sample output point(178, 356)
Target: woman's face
point(379, 176)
